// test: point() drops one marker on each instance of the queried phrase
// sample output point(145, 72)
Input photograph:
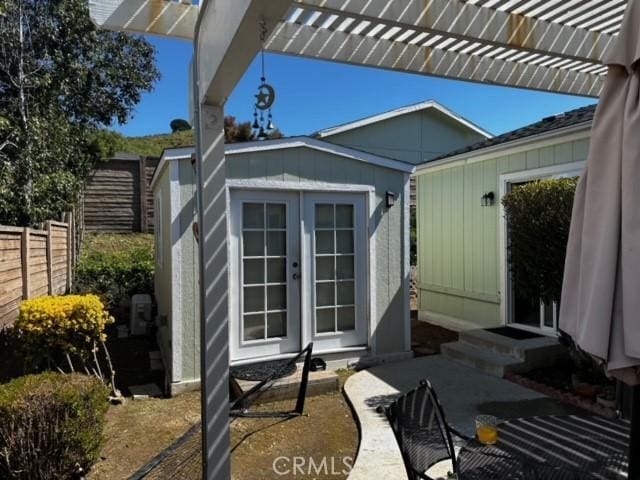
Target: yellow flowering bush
point(73, 324)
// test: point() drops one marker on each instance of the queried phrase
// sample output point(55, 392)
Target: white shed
point(318, 251)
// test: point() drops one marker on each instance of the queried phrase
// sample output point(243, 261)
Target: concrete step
point(483, 359)
point(320, 383)
point(539, 352)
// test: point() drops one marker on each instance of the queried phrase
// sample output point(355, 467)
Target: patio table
point(550, 448)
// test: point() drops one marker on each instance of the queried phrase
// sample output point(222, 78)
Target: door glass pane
point(324, 268)
point(547, 314)
point(276, 243)
point(254, 327)
point(324, 242)
point(324, 216)
point(325, 320)
point(325, 294)
point(276, 297)
point(277, 270)
point(254, 271)
point(346, 318)
point(277, 324)
point(253, 299)
point(344, 216)
point(344, 241)
point(344, 267)
point(253, 215)
point(253, 244)
point(345, 293)
point(276, 216)
point(334, 260)
point(265, 294)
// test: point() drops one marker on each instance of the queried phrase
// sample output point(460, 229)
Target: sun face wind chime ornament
point(265, 98)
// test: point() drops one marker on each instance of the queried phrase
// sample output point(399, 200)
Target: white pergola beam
point(466, 21)
point(341, 47)
point(228, 40)
point(155, 17)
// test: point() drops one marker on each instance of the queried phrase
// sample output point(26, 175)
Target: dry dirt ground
point(315, 446)
point(138, 430)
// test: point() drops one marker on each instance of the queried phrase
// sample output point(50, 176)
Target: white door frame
point(554, 171)
point(291, 343)
point(303, 188)
point(330, 342)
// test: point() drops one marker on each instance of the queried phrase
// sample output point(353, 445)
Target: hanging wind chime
point(265, 98)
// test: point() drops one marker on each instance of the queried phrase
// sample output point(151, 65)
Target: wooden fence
point(118, 196)
point(34, 263)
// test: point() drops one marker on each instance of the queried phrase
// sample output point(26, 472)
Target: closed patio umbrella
point(600, 305)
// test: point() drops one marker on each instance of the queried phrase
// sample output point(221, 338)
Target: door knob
point(296, 276)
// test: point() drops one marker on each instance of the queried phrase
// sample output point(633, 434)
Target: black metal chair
point(422, 432)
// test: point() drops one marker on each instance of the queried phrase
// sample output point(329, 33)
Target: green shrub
point(50, 425)
point(538, 216)
point(116, 275)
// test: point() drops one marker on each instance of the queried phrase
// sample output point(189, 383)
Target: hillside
point(153, 145)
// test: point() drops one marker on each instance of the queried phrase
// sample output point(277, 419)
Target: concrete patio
point(463, 391)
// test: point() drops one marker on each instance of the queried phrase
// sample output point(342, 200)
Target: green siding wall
point(458, 239)
point(307, 165)
point(414, 137)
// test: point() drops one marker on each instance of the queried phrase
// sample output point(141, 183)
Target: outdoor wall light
point(488, 199)
point(391, 199)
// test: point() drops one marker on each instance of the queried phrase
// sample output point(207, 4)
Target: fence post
point(144, 223)
point(25, 257)
point(49, 258)
point(69, 250)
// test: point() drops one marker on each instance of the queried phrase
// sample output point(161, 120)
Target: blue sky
point(312, 95)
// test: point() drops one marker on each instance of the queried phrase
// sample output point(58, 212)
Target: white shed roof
point(183, 153)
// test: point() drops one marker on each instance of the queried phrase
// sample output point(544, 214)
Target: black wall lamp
point(488, 199)
point(391, 199)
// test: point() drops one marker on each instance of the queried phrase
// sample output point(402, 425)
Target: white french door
point(336, 256)
point(265, 279)
point(298, 272)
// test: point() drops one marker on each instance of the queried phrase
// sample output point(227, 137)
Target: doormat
point(514, 333)
point(257, 372)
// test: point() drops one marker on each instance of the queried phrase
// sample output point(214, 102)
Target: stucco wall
point(459, 240)
point(386, 226)
point(176, 280)
point(163, 271)
point(188, 273)
point(414, 137)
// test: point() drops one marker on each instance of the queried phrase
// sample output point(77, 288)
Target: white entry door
point(265, 278)
point(336, 249)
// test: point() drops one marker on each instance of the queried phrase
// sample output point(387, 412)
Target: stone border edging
point(378, 452)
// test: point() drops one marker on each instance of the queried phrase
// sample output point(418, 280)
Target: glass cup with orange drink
point(487, 429)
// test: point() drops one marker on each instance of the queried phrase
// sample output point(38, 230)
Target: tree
point(179, 125)
point(538, 216)
point(235, 132)
point(61, 81)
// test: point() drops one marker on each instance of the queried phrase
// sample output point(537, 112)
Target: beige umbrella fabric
point(600, 306)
